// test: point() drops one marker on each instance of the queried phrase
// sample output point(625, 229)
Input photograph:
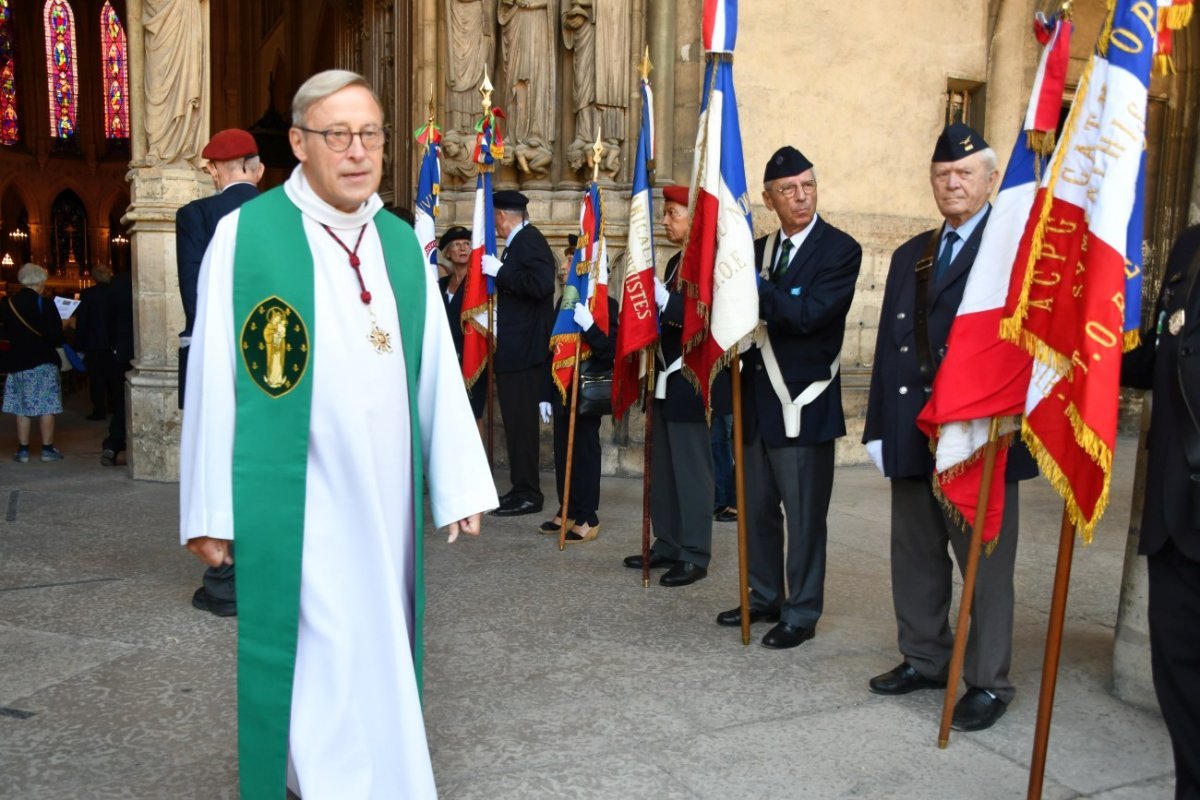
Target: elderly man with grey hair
point(924, 288)
point(320, 354)
point(34, 331)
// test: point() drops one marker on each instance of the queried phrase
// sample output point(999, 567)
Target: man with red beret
point(235, 168)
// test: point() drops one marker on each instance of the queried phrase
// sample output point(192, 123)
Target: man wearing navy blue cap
point(792, 411)
point(924, 287)
point(524, 278)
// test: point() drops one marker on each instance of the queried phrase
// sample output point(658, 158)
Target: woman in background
point(34, 331)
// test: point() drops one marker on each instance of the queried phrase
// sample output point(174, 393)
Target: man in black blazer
point(1166, 362)
point(792, 401)
point(524, 279)
point(235, 168)
point(682, 468)
point(918, 310)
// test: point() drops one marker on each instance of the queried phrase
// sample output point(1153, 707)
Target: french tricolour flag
point(428, 186)
point(479, 288)
point(587, 283)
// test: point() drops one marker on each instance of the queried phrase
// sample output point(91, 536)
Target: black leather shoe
point(206, 602)
point(977, 710)
point(108, 457)
point(515, 508)
point(733, 617)
point(656, 561)
point(902, 680)
point(783, 636)
point(682, 573)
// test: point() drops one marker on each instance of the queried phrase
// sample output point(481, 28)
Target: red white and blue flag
point(429, 182)
point(1075, 299)
point(479, 289)
point(718, 275)
point(638, 328)
point(587, 283)
point(984, 376)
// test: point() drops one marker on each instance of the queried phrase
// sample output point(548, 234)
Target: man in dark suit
point(235, 168)
point(792, 409)
point(1166, 362)
point(93, 337)
point(919, 306)
point(524, 279)
point(682, 468)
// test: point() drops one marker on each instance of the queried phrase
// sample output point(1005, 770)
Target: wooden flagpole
point(739, 480)
point(1058, 611)
point(647, 460)
point(962, 630)
point(566, 498)
point(491, 381)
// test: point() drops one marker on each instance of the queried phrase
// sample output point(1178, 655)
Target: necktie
point(785, 258)
point(946, 256)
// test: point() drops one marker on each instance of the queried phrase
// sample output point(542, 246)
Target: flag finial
point(485, 90)
point(597, 152)
point(646, 66)
point(432, 112)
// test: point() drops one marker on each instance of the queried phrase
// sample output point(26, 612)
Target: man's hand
point(491, 265)
point(469, 526)
point(661, 295)
point(583, 317)
point(214, 552)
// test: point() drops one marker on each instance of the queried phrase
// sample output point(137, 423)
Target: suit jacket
point(524, 302)
point(453, 312)
point(805, 314)
point(1169, 364)
point(93, 320)
point(195, 224)
point(683, 403)
point(898, 391)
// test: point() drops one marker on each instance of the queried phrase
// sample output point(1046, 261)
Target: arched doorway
point(68, 235)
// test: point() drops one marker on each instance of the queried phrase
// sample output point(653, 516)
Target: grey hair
point(322, 85)
point(32, 275)
point(250, 163)
point(989, 159)
point(102, 273)
point(523, 213)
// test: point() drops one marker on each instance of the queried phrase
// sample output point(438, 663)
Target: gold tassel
point(1131, 340)
point(1040, 142)
point(1163, 65)
point(1179, 17)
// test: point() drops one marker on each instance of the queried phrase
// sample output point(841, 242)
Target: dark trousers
point(923, 582)
point(585, 464)
point(115, 440)
point(1174, 613)
point(519, 394)
point(792, 486)
point(100, 366)
point(681, 489)
point(722, 454)
point(219, 581)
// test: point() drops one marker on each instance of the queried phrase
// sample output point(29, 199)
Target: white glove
point(491, 265)
point(583, 317)
point(544, 410)
point(875, 451)
point(661, 295)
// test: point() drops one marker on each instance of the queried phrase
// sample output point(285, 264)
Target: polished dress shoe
point(977, 710)
point(656, 561)
point(733, 617)
point(902, 680)
point(515, 507)
point(783, 636)
point(206, 602)
point(682, 573)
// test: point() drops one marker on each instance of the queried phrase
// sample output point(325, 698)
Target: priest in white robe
point(331, 427)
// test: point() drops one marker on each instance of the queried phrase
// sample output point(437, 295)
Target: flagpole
point(647, 461)
point(491, 380)
point(739, 480)
point(962, 630)
point(1058, 611)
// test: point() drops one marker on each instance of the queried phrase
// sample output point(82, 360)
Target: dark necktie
point(785, 259)
point(946, 256)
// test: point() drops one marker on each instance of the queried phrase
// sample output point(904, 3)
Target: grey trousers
point(922, 585)
point(681, 490)
point(792, 486)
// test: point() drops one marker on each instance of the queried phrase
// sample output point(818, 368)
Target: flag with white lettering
point(429, 182)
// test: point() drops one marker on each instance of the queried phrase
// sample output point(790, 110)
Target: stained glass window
point(60, 68)
point(10, 122)
point(116, 74)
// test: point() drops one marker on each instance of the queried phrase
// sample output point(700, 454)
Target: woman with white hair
point(34, 332)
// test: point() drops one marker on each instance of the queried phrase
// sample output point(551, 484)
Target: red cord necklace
point(380, 339)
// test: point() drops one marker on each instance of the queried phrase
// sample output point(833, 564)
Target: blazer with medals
point(805, 315)
point(683, 402)
point(524, 302)
point(898, 390)
point(1168, 362)
point(195, 224)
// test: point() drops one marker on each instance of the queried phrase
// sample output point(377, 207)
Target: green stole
point(273, 287)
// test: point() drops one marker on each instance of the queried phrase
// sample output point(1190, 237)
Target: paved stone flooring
point(549, 675)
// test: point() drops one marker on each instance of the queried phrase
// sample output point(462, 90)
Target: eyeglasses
point(339, 139)
point(792, 189)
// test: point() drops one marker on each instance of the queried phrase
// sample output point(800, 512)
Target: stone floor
point(549, 674)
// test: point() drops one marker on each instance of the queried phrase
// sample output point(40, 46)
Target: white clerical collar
point(512, 234)
point(301, 193)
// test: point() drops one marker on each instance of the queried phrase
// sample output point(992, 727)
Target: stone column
point(157, 190)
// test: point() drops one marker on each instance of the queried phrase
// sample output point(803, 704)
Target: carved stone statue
point(600, 41)
point(528, 39)
point(175, 83)
point(470, 49)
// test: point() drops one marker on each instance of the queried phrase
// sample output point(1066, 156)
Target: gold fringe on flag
point(1062, 485)
point(1040, 142)
point(1179, 16)
point(952, 510)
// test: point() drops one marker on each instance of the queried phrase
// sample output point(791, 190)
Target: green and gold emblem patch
point(274, 345)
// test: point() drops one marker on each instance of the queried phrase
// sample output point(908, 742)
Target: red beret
point(230, 144)
point(676, 194)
